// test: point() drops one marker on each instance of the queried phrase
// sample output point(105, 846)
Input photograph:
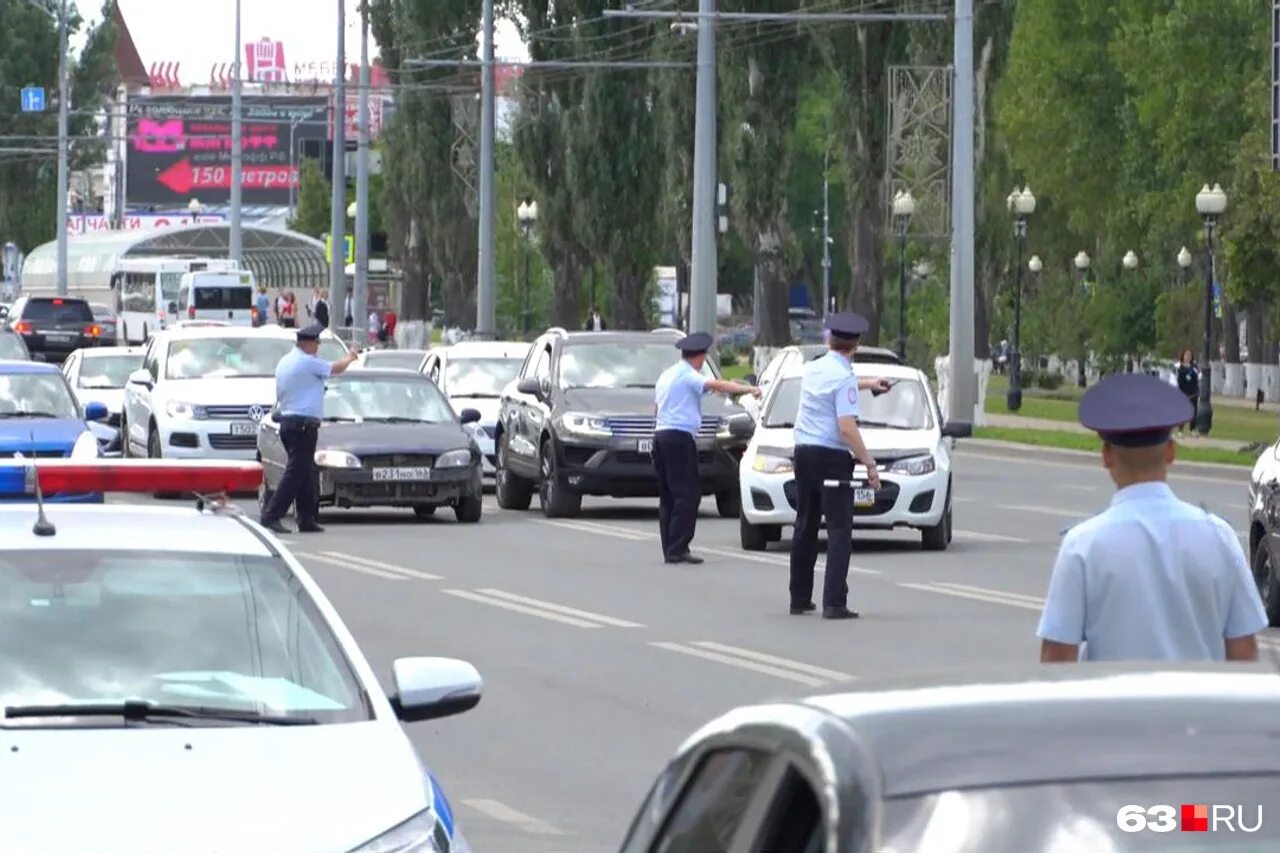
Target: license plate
point(399, 474)
point(644, 445)
point(864, 497)
point(58, 336)
point(247, 428)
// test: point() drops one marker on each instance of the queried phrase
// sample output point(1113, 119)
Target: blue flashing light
point(13, 480)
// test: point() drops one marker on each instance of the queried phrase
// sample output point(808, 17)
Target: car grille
point(231, 413)
point(33, 454)
point(886, 497)
point(222, 441)
point(389, 491)
point(641, 426)
point(398, 460)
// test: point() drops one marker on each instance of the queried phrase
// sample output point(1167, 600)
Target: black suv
point(579, 420)
point(53, 327)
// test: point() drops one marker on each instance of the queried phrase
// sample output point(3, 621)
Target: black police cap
point(311, 333)
point(847, 325)
point(1134, 410)
point(695, 343)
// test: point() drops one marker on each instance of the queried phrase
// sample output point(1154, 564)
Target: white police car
point(190, 688)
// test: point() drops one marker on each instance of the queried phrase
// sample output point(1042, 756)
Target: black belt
point(299, 419)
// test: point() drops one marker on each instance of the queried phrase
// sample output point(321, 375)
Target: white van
point(223, 296)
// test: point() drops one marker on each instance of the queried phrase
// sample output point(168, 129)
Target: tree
point(315, 201)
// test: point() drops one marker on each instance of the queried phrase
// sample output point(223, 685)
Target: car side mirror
point(430, 688)
point(751, 379)
point(957, 429)
point(530, 385)
point(140, 377)
point(742, 426)
point(95, 411)
point(469, 416)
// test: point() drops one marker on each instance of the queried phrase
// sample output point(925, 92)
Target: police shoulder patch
point(852, 393)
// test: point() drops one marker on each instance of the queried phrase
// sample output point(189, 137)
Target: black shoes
point(801, 609)
point(839, 613)
point(275, 526)
point(686, 558)
point(310, 527)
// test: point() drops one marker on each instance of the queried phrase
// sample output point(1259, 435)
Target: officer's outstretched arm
point(341, 365)
point(723, 386)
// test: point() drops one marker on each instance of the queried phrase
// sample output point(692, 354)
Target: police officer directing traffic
point(1152, 578)
point(678, 394)
point(826, 432)
point(300, 377)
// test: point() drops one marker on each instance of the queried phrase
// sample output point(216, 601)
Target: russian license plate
point(244, 428)
point(59, 336)
point(383, 475)
point(864, 497)
point(644, 445)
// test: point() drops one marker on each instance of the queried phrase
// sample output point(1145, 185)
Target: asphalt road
point(599, 659)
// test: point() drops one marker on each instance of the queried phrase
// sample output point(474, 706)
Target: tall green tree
point(315, 201)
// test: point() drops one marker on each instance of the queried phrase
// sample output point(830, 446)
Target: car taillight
point(93, 331)
point(145, 475)
point(191, 312)
point(22, 327)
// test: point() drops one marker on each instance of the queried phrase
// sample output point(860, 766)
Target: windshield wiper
point(29, 415)
point(883, 425)
point(396, 419)
point(478, 396)
point(335, 419)
point(138, 710)
point(639, 385)
point(783, 425)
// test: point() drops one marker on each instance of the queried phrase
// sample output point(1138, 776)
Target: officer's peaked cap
point(1134, 410)
point(847, 325)
point(311, 333)
point(695, 343)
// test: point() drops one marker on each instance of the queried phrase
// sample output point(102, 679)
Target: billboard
point(180, 148)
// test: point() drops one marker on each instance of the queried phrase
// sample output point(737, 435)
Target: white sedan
point(473, 374)
point(902, 428)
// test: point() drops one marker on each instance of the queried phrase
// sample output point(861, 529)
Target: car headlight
point(86, 446)
point(337, 459)
point(583, 424)
point(454, 459)
point(772, 463)
point(914, 466)
point(421, 833)
point(185, 411)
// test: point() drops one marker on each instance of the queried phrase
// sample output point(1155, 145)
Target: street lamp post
point(904, 206)
point(1210, 203)
point(1082, 262)
point(1184, 264)
point(1021, 203)
point(194, 207)
point(527, 215)
point(1130, 263)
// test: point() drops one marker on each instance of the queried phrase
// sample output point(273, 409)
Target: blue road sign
point(33, 99)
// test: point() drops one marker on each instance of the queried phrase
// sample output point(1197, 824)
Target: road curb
point(1017, 448)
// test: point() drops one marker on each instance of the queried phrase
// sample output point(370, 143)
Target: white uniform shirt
point(1151, 578)
point(678, 395)
point(828, 392)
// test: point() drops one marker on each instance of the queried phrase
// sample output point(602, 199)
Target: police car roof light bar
point(146, 475)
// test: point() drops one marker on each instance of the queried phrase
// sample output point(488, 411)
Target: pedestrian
point(300, 377)
point(1188, 378)
point(595, 323)
point(321, 309)
point(826, 433)
point(1151, 578)
point(289, 315)
point(678, 395)
point(263, 306)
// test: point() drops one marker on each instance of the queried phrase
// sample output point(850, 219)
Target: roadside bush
point(1049, 381)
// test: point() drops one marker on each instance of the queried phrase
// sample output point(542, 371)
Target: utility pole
point(235, 250)
point(702, 279)
point(487, 297)
point(338, 217)
point(826, 233)
point(1275, 86)
point(360, 298)
point(63, 166)
point(962, 391)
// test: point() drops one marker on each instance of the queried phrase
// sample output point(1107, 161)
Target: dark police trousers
point(300, 482)
point(675, 459)
point(814, 464)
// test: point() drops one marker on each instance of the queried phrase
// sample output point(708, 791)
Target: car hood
point(487, 407)
point(212, 391)
point(636, 401)
point(392, 438)
point(884, 444)
point(298, 788)
point(112, 398)
point(24, 435)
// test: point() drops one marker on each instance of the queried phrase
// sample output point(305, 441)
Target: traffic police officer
point(826, 432)
point(678, 394)
point(1152, 577)
point(300, 377)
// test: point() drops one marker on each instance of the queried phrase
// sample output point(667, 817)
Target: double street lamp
point(1210, 204)
point(1021, 203)
point(527, 216)
point(904, 207)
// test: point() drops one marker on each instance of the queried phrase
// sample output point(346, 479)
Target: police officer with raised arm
point(1152, 578)
point(678, 394)
point(300, 377)
point(826, 433)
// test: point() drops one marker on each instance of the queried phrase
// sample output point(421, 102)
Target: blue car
point(41, 418)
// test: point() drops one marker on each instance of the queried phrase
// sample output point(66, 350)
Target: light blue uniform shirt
point(678, 394)
point(300, 384)
point(828, 392)
point(1152, 578)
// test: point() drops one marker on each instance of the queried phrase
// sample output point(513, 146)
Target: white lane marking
point(351, 567)
point(776, 672)
point(386, 567)
point(786, 663)
point(560, 608)
point(1045, 510)
point(1034, 599)
point(1089, 460)
point(961, 499)
point(520, 608)
point(994, 597)
point(616, 528)
point(778, 560)
point(572, 525)
point(504, 813)
point(990, 537)
point(1079, 488)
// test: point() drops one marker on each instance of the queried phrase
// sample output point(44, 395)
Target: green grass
point(736, 372)
point(1084, 441)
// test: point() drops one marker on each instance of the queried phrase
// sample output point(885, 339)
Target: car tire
point(468, 510)
point(422, 512)
point(557, 499)
point(938, 537)
point(729, 503)
point(125, 451)
point(756, 537)
point(1264, 575)
point(155, 451)
point(512, 491)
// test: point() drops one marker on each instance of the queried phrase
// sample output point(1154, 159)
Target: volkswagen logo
point(256, 413)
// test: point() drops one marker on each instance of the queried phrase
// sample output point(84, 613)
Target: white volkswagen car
point(902, 428)
point(473, 374)
point(200, 392)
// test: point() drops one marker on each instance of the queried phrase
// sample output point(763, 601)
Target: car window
point(223, 631)
point(57, 310)
point(385, 398)
point(714, 802)
point(30, 394)
point(542, 366)
point(394, 359)
point(107, 371)
point(794, 820)
point(331, 349)
point(618, 364)
point(225, 357)
point(11, 346)
point(102, 312)
point(212, 298)
point(480, 377)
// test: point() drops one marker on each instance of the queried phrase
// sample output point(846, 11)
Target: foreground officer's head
point(693, 348)
point(309, 338)
point(845, 331)
point(1134, 415)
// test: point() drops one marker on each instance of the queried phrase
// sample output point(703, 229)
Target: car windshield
point(40, 394)
point(102, 312)
point(11, 346)
point(188, 629)
point(107, 371)
point(906, 405)
point(618, 364)
point(480, 377)
point(196, 358)
point(1083, 816)
point(395, 359)
point(57, 310)
point(213, 298)
point(411, 398)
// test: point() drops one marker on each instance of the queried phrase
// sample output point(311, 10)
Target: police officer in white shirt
point(826, 433)
point(1152, 578)
point(678, 395)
